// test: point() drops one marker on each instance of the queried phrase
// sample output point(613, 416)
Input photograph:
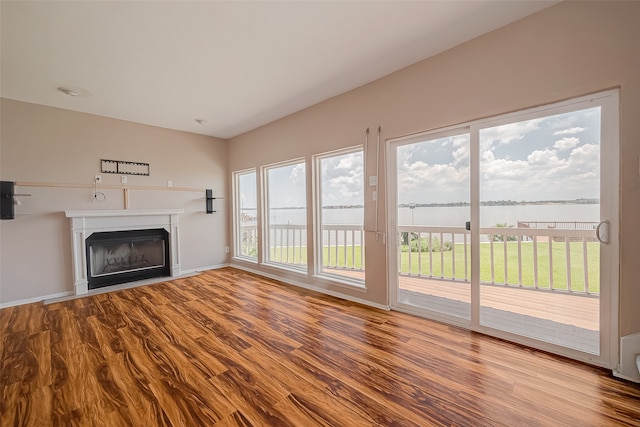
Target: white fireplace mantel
point(85, 223)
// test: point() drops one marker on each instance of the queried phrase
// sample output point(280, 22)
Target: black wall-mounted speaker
point(7, 191)
point(209, 197)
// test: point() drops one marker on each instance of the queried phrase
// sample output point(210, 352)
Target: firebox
point(125, 256)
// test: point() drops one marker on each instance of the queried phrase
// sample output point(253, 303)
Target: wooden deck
point(568, 320)
point(568, 309)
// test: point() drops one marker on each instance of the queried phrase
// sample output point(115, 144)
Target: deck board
point(568, 320)
point(576, 310)
point(561, 307)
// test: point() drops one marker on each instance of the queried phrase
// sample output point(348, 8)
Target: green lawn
point(300, 256)
point(558, 261)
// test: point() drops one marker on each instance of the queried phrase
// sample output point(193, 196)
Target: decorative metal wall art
point(124, 168)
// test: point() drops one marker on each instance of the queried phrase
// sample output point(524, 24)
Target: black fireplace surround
point(125, 256)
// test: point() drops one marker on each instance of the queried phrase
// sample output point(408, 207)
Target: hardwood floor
point(229, 348)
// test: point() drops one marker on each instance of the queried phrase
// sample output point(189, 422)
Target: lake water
point(451, 216)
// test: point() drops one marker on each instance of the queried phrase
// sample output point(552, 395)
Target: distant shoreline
point(503, 203)
point(461, 204)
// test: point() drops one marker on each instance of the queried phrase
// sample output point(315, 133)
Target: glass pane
point(342, 218)
point(287, 215)
point(539, 207)
point(247, 215)
point(434, 246)
point(125, 256)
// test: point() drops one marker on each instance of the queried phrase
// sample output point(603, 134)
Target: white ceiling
point(237, 64)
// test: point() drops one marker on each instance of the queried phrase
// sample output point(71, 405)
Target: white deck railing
point(342, 245)
point(561, 260)
point(288, 244)
point(545, 259)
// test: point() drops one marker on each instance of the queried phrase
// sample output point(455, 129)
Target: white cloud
point(506, 134)
point(570, 131)
point(297, 175)
point(543, 175)
point(421, 182)
point(343, 180)
point(585, 158)
point(461, 151)
point(562, 121)
point(500, 169)
point(551, 158)
point(566, 143)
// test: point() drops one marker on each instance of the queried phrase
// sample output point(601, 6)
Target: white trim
point(610, 202)
point(265, 222)
point(629, 369)
point(346, 281)
point(313, 288)
point(197, 270)
point(85, 223)
point(63, 296)
point(300, 269)
point(236, 209)
point(622, 376)
point(35, 299)
point(121, 212)
point(245, 259)
point(474, 211)
point(391, 212)
point(316, 191)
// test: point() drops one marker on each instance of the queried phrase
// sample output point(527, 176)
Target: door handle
point(467, 225)
point(602, 232)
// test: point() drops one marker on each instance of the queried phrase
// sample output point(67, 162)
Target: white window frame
point(237, 222)
point(266, 221)
point(317, 215)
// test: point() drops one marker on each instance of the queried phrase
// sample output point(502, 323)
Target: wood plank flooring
point(229, 348)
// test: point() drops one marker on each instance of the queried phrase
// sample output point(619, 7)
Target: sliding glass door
point(433, 245)
point(509, 226)
point(539, 212)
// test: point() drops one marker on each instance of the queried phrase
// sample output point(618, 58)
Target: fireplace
point(123, 256)
point(118, 246)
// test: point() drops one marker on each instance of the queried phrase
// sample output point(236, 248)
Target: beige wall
point(572, 49)
point(53, 146)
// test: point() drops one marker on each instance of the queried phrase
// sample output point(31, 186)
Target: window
point(246, 214)
point(340, 230)
point(286, 214)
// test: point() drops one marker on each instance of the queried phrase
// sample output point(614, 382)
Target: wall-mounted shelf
point(7, 199)
point(209, 198)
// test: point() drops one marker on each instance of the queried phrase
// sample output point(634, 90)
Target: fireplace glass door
point(124, 256)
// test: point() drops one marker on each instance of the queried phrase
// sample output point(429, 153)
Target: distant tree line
point(503, 203)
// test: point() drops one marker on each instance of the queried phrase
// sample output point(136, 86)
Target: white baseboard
point(313, 288)
point(628, 368)
point(36, 299)
point(185, 273)
point(201, 269)
point(61, 296)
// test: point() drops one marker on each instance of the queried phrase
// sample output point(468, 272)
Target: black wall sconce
point(7, 191)
point(209, 197)
point(8, 199)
